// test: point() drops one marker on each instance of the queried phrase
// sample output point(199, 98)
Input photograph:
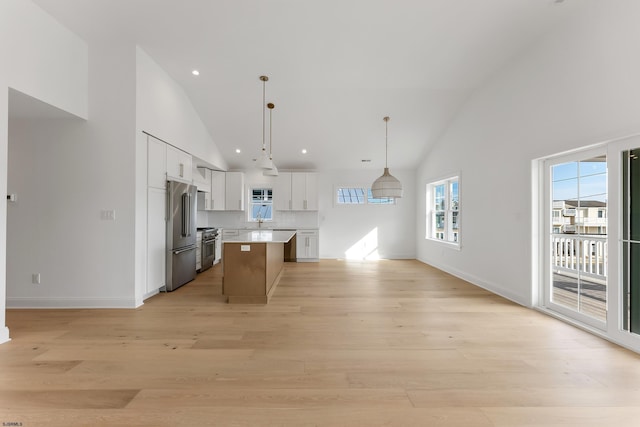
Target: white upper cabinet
point(234, 191)
point(202, 179)
point(311, 196)
point(156, 163)
point(282, 192)
point(179, 165)
point(218, 191)
point(296, 191)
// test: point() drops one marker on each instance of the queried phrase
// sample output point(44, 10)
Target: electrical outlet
point(35, 278)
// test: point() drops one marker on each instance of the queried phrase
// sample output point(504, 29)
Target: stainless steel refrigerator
point(181, 234)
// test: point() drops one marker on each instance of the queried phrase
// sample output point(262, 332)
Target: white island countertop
point(261, 236)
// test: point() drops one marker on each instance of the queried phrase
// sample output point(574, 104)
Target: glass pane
point(633, 263)
point(593, 187)
point(261, 195)
point(593, 166)
point(631, 239)
point(578, 236)
point(566, 189)
point(263, 212)
point(634, 195)
point(438, 225)
point(565, 171)
point(454, 196)
point(350, 196)
point(438, 192)
point(380, 200)
point(453, 227)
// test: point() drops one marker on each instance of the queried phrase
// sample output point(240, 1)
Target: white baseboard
point(149, 295)
point(491, 287)
point(70, 303)
point(4, 335)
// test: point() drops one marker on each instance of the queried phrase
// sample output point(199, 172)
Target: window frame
point(366, 196)
point(250, 216)
point(444, 235)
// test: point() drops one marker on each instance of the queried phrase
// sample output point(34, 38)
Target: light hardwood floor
point(340, 343)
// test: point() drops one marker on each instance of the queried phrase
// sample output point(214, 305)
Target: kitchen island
point(252, 264)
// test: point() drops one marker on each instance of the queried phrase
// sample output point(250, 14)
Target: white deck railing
point(586, 254)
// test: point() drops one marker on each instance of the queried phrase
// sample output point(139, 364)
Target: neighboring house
point(584, 217)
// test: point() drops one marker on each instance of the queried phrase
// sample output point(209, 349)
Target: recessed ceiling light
point(238, 151)
point(195, 72)
point(304, 151)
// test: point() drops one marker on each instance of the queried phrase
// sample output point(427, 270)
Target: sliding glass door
point(631, 240)
point(577, 237)
point(590, 223)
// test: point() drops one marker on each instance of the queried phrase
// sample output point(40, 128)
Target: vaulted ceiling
point(336, 67)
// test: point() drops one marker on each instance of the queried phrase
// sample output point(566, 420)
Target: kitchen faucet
point(260, 221)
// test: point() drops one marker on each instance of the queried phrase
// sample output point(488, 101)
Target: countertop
point(261, 236)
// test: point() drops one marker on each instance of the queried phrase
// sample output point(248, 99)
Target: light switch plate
point(108, 215)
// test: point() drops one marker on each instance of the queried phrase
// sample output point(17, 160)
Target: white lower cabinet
point(156, 238)
point(307, 245)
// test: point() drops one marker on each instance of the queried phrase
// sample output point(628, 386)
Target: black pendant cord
point(264, 91)
point(264, 80)
point(386, 142)
point(271, 106)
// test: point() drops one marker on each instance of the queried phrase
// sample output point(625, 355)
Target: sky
point(586, 180)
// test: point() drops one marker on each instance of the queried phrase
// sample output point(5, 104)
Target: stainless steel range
point(208, 249)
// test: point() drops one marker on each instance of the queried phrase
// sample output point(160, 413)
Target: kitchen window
point(443, 210)
point(360, 196)
point(261, 205)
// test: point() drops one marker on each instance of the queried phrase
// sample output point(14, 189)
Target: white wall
point(4, 119)
point(65, 172)
point(576, 87)
point(165, 111)
point(31, 45)
point(41, 58)
point(387, 231)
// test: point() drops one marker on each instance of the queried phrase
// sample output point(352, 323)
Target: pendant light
point(263, 162)
point(387, 185)
point(274, 170)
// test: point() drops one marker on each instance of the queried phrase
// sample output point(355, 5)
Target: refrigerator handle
point(185, 200)
point(180, 251)
point(189, 217)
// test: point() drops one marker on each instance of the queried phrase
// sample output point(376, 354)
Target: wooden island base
point(252, 269)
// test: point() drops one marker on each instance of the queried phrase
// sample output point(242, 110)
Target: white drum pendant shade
point(273, 170)
point(264, 162)
point(386, 186)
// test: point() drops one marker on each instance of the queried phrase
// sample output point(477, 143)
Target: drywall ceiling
point(336, 67)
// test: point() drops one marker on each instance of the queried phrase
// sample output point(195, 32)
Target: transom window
point(443, 210)
point(261, 204)
point(360, 196)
